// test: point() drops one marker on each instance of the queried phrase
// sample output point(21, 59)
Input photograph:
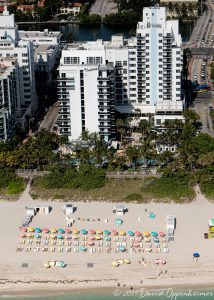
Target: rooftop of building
point(39, 34)
point(44, 49)
point(6, 65)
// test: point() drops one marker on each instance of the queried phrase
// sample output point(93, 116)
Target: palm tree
point(120, 128)
point(144, 127)
point(133, 154)
point(191, 116)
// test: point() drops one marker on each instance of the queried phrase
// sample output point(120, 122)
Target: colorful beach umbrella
point(75, 231)
point(196, 254)
point(53, 230)
point(162, 234)
point(22, 234)
point(53, 236)
point(107, 238)
point(67, 230)
point(30, 229)
point(106, 232)
point(138, 233)
point(151, 215)
point(92, 231)
point(153, 233)
point(23, 229)
point(122, 249)
point(131, 233)
point(118, 222)
point(45, 230)
point(122, 232)
point(83, 248)
point(75, 237)
point(67, 237)
point(37, 229)
point(61, 231)
point(114, 232)
point(59, 236)
point(38, 236)
point(83, 231)
point(146, 233)
point(98, 237)
point(91, 243)
point(30, 235)
point(99, 232)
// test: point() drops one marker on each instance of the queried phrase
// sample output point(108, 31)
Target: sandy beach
point(180, 270)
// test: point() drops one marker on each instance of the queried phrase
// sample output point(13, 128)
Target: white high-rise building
point(12, 47)
point(143, 74)
point(9, 96)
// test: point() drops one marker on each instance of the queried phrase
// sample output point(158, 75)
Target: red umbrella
point(46, 230)
point(138, 233)
point(92, 231)
point(114, 232)
point(24, 229)
point(162, 234)
point(67, 230)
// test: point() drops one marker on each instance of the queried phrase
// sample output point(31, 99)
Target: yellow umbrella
point(98, 237)
point(146, 233)
point(53, 230)
point(122, 232)
point(99, 232)
point(30, 229)
point(53, 236)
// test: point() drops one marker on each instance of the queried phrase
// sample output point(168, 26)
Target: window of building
point(24, 55)
point(71, 60)
point(160, 47)
point(125, 62)
point(25, 60)
point(63, 75)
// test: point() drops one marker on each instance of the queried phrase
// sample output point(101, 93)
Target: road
point(202, 108)
point(50, 118)
point(103, 7)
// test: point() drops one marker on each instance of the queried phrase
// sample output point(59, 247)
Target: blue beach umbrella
point(59, 236)
point(60, 230)
point(38, 236)
point(122, 249)
point(37, 229)
point(118, 221)
point(107, 238)
point(131, 233)
point(83, 231)
point(151, 215)
point(153, 233)
point(83, 248)
point(106, 232)
point(196, 254)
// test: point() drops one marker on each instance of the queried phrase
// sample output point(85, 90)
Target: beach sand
point(181, 270)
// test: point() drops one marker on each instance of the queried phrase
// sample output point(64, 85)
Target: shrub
point(15, 187)
point(134, 197)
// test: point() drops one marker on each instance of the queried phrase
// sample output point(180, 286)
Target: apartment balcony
point(60, 79)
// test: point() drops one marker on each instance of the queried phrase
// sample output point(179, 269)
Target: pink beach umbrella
point(67, 237)
point(114, 232)
point(162, 234)
point(92, 231)
point(138, 233)
point(92, 238)
point(67, 230)
point(22, 235)
point(23, 229)
point(45, 230)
